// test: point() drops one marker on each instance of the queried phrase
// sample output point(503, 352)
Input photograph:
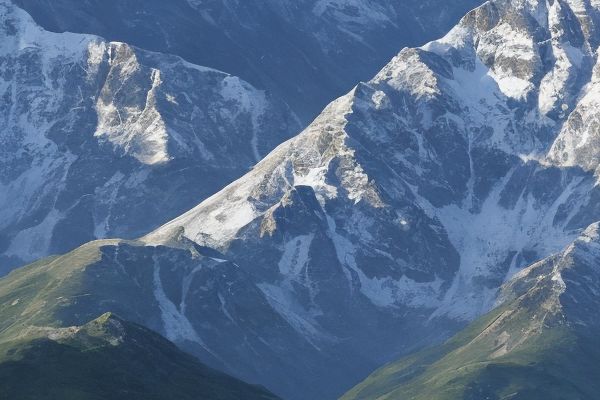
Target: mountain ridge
point(109, 357)
point(297, 50)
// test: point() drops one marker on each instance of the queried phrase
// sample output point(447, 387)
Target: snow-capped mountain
point(389, 222)
point(437, 179)
point(101, 138)
point(423, 190)
point(305, 52)
point(121, 139)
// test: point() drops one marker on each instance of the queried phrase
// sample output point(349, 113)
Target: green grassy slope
point(554, 364)
point(50, 350)
point(109, 358)
point(81, 285)
point(543, 343)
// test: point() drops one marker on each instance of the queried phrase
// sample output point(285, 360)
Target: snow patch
point(137, 129)
point(295, 315)
point(177, 326)
point(295, 255)
point(251, 101)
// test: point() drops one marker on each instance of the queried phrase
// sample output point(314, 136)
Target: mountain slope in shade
point(305, 52)
point(541, 343)
point(104, 139)
point(208, 306)
point(109, 358)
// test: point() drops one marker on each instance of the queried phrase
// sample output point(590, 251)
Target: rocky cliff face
point(113, 124)
point(101, 138)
